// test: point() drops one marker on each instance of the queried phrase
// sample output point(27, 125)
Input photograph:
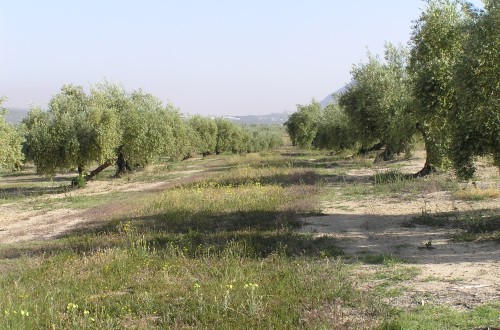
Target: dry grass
point(477, 193)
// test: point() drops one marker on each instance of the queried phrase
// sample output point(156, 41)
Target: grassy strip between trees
point(220, 252)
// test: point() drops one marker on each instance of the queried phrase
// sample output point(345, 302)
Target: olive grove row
point(445, 87)
point(109, 126)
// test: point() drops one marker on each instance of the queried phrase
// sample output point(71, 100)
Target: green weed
point(436, 317)
point(470, 226)
point(379, 259)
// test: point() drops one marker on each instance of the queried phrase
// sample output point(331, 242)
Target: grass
point(221, 249)
point(388, 277)
point(392, 183)
point(161, 172)
point(217, 251)
point(437, 317)
point(477, 194)
point(77, 202)
point(142, 287)
point(397, 273)
point(13, 191)
point(379, 259)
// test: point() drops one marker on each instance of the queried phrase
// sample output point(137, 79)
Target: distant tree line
point(444, 87)
point(110, 126)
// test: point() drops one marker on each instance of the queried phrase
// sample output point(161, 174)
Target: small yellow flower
point(196, 286)
point(86, 312)
point(71, 307)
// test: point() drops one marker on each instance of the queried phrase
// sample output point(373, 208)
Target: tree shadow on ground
point(413, 239)
point(261, 233)
point(32, 178)
point(301, 163)
point(302, 175)
point(11, 193)
point(281, 179)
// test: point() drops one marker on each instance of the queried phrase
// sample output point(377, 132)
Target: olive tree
point(302, 125)
point(108, 126)
point(475, 119)
point(76, 131)
point(204, 138)
point(107, 102)
point(182, 133)
point(334, 129)
point(147, 131)
point(229, 136)
point(10, 143)
point(378, 103)
point(262, 137)
point(436, 41)
point(57, 140)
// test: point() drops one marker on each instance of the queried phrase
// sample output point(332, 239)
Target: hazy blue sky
point(207, 57)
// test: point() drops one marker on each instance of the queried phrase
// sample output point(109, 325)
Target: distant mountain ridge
point(271, 119)
point(329, 99)
point(15, 115)
point(281, 118)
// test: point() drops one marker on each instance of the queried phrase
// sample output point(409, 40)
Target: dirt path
point(20, 222)
point(461, 274)
point(457, 274)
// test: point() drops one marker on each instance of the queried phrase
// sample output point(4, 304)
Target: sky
point(206, 57)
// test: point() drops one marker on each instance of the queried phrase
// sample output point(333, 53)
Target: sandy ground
point(460, 274)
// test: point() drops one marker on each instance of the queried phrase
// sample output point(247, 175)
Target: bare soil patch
point(460, 274)
point(20, 222)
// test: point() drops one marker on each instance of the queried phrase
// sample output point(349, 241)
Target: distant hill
point(279, 118)
point(273, 118)
point(329, 99)
point(15, 115)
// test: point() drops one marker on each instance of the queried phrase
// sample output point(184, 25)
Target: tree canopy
point(335, 130)
point(109, 125)
point(475, 119)
point(302, 125)
point(445, 87)
point(436, 45)
point(379, 102)
point(11, 138)
point(204, 138)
